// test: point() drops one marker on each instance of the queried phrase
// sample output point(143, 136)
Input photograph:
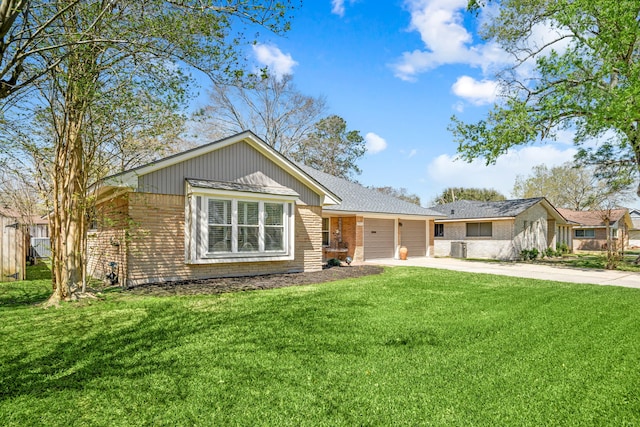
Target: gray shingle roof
point(469, 209)
point(236, 186)
point(356, 198)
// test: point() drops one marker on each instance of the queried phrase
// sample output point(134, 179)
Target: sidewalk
point(517, 269)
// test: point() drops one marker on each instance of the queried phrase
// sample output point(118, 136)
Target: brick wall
point(108, 242)
point(157, 243)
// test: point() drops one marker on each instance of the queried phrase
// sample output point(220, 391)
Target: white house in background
point(498, 230)
point(634, 231)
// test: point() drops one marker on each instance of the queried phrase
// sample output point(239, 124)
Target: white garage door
point(378, 238)
point(414, 237)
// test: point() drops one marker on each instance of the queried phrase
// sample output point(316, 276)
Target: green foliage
point(562, 248)
point(332, 148)
point(373, 351)
point(334, 262)
point(565, 186)
point(453, 194)
point(529, 254)
point(584, 79)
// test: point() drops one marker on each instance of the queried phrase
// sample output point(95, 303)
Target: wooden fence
point(13, 241)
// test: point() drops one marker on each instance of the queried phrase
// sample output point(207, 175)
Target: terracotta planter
point(403, 253)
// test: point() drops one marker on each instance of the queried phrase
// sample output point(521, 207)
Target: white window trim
point(196, 227)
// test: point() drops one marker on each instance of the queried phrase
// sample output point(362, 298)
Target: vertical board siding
point(12, 250)
point(229, 164)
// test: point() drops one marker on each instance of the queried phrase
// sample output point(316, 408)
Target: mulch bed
point(251, 283)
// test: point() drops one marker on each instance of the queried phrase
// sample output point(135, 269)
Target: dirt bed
point(238, 284)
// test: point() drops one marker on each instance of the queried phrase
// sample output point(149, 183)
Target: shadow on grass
point(71, 364)
point(34, 290)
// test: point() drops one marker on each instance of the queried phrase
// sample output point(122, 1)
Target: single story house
point(237, 207)
point(634, 232)
point(498, 230)
point(368, 224)
point(590, 228)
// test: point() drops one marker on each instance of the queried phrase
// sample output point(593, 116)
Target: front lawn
point(596, 260)
point(411, 346)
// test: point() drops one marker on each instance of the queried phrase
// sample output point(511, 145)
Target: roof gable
point(139, 176)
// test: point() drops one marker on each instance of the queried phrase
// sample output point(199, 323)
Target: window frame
point(479, 226)
point(584, 233)
point(438, 230)
point(197, 248)
point(326, 232)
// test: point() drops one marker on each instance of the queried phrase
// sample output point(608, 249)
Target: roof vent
point(453, 211)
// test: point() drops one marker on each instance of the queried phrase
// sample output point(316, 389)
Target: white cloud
point(337, 7)
point(278, 63)
point(447, 41)
point(445, 171)
point(477, 92)
point(374, 143)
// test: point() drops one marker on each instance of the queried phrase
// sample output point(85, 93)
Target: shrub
point(529, 254)
point(549, 253)
point(334, 262)
point(562, 248)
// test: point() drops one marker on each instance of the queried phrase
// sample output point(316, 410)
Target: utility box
point(458, 249)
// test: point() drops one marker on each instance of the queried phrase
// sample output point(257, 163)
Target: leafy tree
point(89, 55)
point(399, 193)
point(271, 107)
point(453, 194)
point(565, 186)
point(332, 148)
point(584, 78)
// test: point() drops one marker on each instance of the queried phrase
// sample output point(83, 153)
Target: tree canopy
point(453, 194)
point(90, 65)
point(272, 107)
point(582, 77)
point(332, 148)
point(565, 186)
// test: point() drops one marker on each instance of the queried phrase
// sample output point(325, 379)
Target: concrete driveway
point(517, 269)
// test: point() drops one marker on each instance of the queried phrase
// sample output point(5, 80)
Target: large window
point(233, 229)
point(588, 233)
point(479, 229)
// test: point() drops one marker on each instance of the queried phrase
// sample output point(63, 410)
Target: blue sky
point(397, 71)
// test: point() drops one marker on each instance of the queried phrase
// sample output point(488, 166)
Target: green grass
point(409, 347)
point(595, 260)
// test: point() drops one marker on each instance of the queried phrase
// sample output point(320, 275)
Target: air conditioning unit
point(458, 249)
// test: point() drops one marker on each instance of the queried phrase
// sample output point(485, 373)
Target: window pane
point(219, 238)
point(248, 213)
point(477, 229)
point(273, 213)
point(248, 239)
point(274, 239)
point(325, 231)
point(219, 211)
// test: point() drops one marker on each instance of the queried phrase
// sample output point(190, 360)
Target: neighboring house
point(368, 224)
point(590, 228)
point(230, 208)
point(634, 232)
point(498, 230)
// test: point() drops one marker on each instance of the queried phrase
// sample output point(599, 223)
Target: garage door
point(414, 237)
point(378, 238)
